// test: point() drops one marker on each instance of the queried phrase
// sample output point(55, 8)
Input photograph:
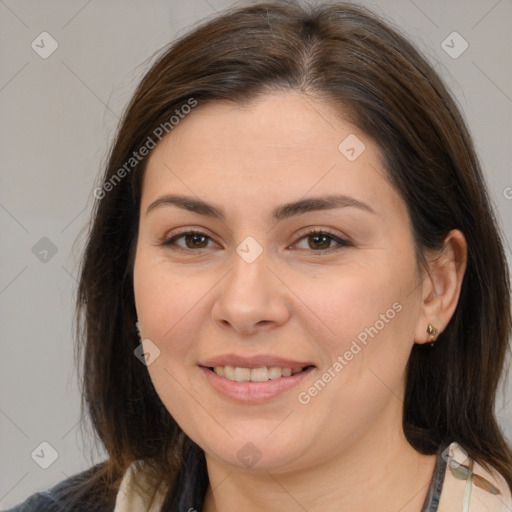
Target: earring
point(137, 328)
point(432, 332)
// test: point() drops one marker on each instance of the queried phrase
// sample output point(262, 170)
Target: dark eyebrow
point(284, 211)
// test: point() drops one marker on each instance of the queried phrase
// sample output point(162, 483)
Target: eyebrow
point(284, 211)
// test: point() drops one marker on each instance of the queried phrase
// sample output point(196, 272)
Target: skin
point(291, 302)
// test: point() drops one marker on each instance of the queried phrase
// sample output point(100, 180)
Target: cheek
point(169, 303)
point(368, 321)
point(359, 304)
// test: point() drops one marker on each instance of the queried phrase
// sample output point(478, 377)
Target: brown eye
point(193, 240)
point(321, 241)
point(316, 241)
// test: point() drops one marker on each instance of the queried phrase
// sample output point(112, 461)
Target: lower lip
point(253, 392)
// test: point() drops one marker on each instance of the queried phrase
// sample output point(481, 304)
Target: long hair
point(359, 64)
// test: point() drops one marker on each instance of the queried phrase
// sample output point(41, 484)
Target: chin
point(258, 453)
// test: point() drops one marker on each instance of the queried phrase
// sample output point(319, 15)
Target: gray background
point(58, 118)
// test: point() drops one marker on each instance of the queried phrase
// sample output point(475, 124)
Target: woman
point(294, 295)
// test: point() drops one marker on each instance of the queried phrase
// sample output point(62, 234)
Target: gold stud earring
point(432, 332)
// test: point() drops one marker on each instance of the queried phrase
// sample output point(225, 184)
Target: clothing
point(450, 489)
point(53, 500)
point(467, 486)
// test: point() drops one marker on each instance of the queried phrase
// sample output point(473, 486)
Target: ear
point(442, 281)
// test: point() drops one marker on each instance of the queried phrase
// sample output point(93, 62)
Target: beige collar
point(475, 494)
point(130, 498)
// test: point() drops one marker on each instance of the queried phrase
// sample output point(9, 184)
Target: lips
point(237, 386)
point(248, 392)
point(251, 362)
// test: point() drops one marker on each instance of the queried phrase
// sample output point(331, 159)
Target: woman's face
point(257, 292)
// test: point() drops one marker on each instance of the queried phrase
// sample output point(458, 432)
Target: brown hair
point(355, 61)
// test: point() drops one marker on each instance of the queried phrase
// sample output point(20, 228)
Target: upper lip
point(256, 361)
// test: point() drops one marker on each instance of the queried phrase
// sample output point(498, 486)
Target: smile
point(262, 374)
point(241, 385)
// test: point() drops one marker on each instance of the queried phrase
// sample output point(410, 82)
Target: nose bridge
point(250, 275)
point(250, 294)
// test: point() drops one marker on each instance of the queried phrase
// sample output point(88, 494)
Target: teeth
point(262, 374)
point(242, 374)
point(259, 374)
point(274, 372)
point(229, 372)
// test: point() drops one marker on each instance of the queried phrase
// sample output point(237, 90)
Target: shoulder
point(469, 484)
point(40, 501)
point(72, 494)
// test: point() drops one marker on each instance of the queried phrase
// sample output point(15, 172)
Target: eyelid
point(179, 232)
point(341, 240)
point(309, 230)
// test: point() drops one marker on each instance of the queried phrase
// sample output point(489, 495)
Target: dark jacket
point(72, 494)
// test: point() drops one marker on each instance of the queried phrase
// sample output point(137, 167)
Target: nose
point(251, 297)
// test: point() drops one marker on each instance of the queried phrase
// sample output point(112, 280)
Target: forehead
point(284, 144)
point(283, 123)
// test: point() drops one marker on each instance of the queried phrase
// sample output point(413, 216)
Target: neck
point(384, 474)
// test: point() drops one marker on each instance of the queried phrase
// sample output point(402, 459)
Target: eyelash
point(341, 242)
